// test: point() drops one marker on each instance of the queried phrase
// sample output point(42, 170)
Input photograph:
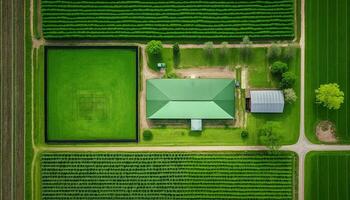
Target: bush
point(209, 48)
point(147, 135)
point(289, 95)
point(289, 52)
point(170, 75)
point(278, 68)
point(246, 49)
point(176, 54)
point(154, 47)
point(274, 51)
point(244, 134)
point(288, 80)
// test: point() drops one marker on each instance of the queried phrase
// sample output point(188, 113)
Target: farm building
point(266, 101)
point(190, 99)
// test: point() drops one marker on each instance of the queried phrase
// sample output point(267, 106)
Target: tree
point(176, 54)
point(244, 134)
point(330, 96)
point(269, 135)
point(209, 48)
point(289, 95)
point(274, 51)
point(246, 49)
point(278, 68)
point(289, 52)
point(147, 135)
point(288, 80)
point(154, 47)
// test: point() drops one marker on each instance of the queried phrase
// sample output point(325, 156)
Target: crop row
point(179, 175)
point(167, 19)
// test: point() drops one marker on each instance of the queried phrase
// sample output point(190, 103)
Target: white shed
point(196, 125)
point(266, 101)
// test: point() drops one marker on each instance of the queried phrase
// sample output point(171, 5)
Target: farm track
point(12, 100)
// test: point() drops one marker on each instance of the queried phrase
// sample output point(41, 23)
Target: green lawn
point(260, 77)
point(327, 175)
point(327, 61)
point(91, 94)
point(168, 175)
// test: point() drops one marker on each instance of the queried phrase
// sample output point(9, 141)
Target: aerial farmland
point(198, 99)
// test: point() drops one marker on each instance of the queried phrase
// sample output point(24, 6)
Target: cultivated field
point(327, 61)
point(327, 176)
point(91, 93)
point(153, 175)
point(151, 19)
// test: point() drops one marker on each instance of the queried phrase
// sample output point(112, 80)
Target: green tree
point(330, 96)
point(154, 47)
point(289, 95)
point(246, 50)
point(288, 80)
point(269, 135)
point(147, 135)
point(176, 54)
point(274, 51)
point(278, 68)
point(289, 52)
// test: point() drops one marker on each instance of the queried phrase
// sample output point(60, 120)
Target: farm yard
point(128, 99)
point(327, 175)
point(327, 61)
point(178, 175)
point(150, 19)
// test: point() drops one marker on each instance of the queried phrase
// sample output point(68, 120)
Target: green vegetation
point(327, 175)
point(91, 93)
point(278, 68)
point(289, 95)
point(168, 20)
point(163, 175)
point(274, 51)
point(269, 135)
point(329, 96)
point(288, 80)
point(327, 61)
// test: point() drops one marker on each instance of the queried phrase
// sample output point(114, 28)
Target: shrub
point(147, 135)
point(274, 51)
point(289, 52)
point(154, 47)
point(176, 54)
point(278, 68)
point(288, 80)
point(244, 134)
point(330, 96)
point(209, 48)
point(289, 95)
point(170, 75)
point(246, 49)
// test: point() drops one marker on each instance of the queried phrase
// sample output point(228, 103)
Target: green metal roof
point(190, 99)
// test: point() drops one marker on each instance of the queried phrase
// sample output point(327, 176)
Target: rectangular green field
point(327, 175)
point(163, 19)
point(327, 61)
point(91, 94)
point(168, 175)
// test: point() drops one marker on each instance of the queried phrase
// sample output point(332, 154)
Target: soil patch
point(325, 131)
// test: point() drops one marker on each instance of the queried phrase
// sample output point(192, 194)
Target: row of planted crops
point(168, 175)
point(166, 19)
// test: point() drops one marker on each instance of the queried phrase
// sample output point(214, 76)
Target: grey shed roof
point(196, 125)
point(266, 101)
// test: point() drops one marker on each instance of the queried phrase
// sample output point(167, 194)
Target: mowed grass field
point(327, 61)
point(91, 93)
point(168, 175)
point(327, 176)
